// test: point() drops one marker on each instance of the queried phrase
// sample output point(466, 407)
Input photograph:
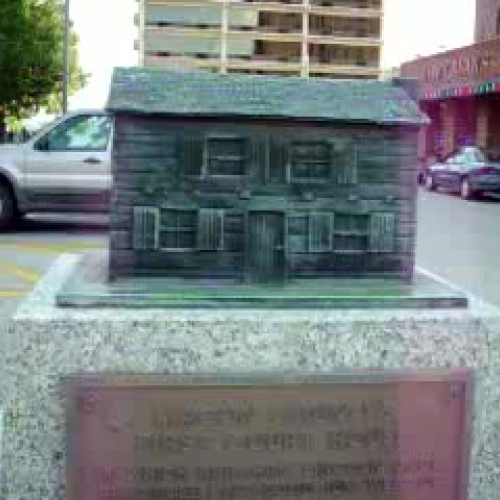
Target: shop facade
point(460, 92)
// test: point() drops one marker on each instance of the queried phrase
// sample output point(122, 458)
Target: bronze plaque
point(361, 436)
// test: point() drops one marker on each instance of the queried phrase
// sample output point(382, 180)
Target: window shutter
point(345, 162)
point(146, 228)
point(382, 232)
point(192, 155)
point(320, 232)
point(211, 229)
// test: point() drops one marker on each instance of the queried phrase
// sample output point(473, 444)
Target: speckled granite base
point(44, 343)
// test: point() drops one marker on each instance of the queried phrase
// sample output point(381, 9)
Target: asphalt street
point(456, 239)
point(27, 252)
point(460, 241)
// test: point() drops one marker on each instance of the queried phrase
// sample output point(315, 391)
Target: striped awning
point(489, 87)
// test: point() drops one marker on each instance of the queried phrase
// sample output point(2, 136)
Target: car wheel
point(466, 191)
point(7, 207)
point(430, 185)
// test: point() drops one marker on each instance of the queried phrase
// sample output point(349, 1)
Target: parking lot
point(27, 253)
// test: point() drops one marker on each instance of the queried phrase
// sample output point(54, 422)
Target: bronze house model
point(262, 179)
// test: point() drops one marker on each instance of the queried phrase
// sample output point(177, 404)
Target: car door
point(450, 170)
point(69, 167)
point(468, 162)
point(454, 171)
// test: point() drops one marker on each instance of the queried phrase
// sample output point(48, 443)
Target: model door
point(70, 166)
point(267, 250)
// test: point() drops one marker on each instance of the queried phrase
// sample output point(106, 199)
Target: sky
point(411, 28)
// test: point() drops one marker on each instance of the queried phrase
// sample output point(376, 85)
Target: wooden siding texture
point(159, 162)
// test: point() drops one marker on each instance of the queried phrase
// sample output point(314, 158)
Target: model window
point(345, 160)
point(234, 231)
point(220, 230)
point(211, 229)
point(178, 229)
point(225, 156)
point(382, 232)
point(351, 233)
point(80, 133)
point(145, 231)
point(310, 233)
point(298, 233)
point(310, 161)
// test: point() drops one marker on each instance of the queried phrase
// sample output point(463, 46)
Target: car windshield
point(474, 155)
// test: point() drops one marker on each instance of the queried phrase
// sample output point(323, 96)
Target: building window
point(310, 162)
point(310, 233)
point(178, 229)
point(351, 233)
point(225, 156)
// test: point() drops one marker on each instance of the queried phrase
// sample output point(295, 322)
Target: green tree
point(31, 57)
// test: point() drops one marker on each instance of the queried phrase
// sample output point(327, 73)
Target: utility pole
point(66, 56)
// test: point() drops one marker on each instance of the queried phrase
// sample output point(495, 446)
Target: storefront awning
point(490, 87)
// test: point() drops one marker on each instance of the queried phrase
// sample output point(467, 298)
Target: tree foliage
point(31, 57)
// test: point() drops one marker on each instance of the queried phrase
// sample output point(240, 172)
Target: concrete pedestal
point(45, 343)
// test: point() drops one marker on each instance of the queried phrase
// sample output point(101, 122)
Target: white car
point(66, 167)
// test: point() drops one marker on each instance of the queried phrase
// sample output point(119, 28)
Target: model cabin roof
point(205, 94)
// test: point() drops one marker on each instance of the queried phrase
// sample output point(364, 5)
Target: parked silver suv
point(66, 167)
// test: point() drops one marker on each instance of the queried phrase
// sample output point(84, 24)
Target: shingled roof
point(199, 93)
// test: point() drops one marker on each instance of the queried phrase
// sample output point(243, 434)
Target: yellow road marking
point(12, 294)
point(23, 274)
point(52, 248)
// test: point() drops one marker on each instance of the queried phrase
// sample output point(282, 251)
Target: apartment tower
point(318, 38)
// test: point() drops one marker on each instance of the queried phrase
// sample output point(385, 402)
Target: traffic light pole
point(66, 50)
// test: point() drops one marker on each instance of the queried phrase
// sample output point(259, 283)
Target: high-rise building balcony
point(344, 68)
point(348, 8)
point(343, 37)
point(339, 33)
point(355, 4)
point(166, 59)
point(264, 65)
point(276, 33)
point(362, 8)
point(256, 33)
point(347, 27)
point(266, 33)
point(288, 3)
point(338, 39)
